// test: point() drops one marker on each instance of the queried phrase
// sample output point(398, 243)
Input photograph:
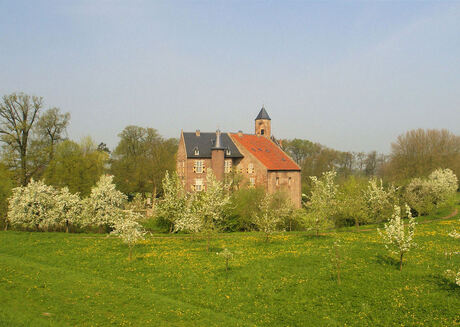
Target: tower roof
point(263, 114)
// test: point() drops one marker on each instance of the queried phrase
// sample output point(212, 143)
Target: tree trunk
point(208, 236)
point(401, 261)
point(66, 226)
point(130, 252)
point(6, 225)
point(337, 256)
point(357, 223)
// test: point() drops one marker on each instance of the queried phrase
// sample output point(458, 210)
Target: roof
point(205, 142)
point(267, 152)
point(263, 114)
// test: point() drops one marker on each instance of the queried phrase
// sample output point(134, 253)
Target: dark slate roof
point(205, 142)
point(263, 114)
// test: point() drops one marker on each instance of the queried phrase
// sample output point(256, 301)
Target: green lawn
point(54, 279)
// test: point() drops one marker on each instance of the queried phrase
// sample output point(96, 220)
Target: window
point(251, 168)
point(252, 181)
point(289, 181)
point(198, 184)
point(183, 167)
point(262, 131)
point(198, 168)
point(228, 166)
point(277, 181)
point(197, 152)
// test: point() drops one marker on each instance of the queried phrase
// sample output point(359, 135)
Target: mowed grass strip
point(56, 279)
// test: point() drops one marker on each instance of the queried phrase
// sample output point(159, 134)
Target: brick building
point(256, 158)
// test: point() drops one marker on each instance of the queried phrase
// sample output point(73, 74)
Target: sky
point(349, 75)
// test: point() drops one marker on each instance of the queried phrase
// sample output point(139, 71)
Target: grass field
point(57, 279)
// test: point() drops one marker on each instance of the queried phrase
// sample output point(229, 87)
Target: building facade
point(250, 159)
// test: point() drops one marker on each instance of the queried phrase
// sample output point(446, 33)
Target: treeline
point(35, 145)
point(414, 154)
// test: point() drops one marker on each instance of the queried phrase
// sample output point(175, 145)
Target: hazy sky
point(350, 75)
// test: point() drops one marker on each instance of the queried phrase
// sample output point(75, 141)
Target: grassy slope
point(54, 279)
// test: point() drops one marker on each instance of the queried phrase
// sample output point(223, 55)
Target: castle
point(256, 158)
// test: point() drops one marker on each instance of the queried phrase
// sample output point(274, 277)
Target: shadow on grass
point(444, 283)
point(387, 260)
point(312, 237)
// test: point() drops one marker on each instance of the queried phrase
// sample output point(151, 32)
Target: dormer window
point(228, 152)
point(197, 152)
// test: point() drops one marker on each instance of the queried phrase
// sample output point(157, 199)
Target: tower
point(218, 158)
point(263, 123)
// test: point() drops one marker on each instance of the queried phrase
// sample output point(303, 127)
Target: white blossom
point(322, 204)
point(128, 228)
point(103, 206)
point(67, 208)
point(397, 238)
point(32, 205)
point(379, 200)
point(173, 205)
point(267, 218)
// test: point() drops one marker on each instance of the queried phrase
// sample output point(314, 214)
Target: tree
point(351, 202)
point(322, 203)
point(67, 209)
point(128, 229)
point(424, 194)
point(269, 216)
point(6, 185)
point(173, 204)
point(141, 159)
point(76, 166)
point(380, 200)
point(32, 206)
point(243, 208)
point(209, 206)
point(18, 114)
point(396, 237)
point(103, 207)
point(51, 128)
point(419, 152)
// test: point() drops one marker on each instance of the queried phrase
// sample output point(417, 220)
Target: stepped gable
point(267, 152)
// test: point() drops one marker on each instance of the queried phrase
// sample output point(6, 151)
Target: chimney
point(218, 158)
point(197, 133)
point(240, 133)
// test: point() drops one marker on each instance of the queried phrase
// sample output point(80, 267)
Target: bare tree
point(18, 114)
point(51, 128)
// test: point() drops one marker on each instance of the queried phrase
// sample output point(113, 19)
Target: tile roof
point(268, 153)
point(205, 142)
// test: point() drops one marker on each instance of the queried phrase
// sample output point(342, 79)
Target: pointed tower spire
point(263, 114)
point(263, 123)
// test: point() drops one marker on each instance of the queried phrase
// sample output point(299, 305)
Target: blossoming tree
point(380, 200)
point(174, 202)
point(398, 238)
point(269, 216)
point(67, 209)
point(103, 207)
point(32, 205)
point(129, 229)
point(322, 202)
